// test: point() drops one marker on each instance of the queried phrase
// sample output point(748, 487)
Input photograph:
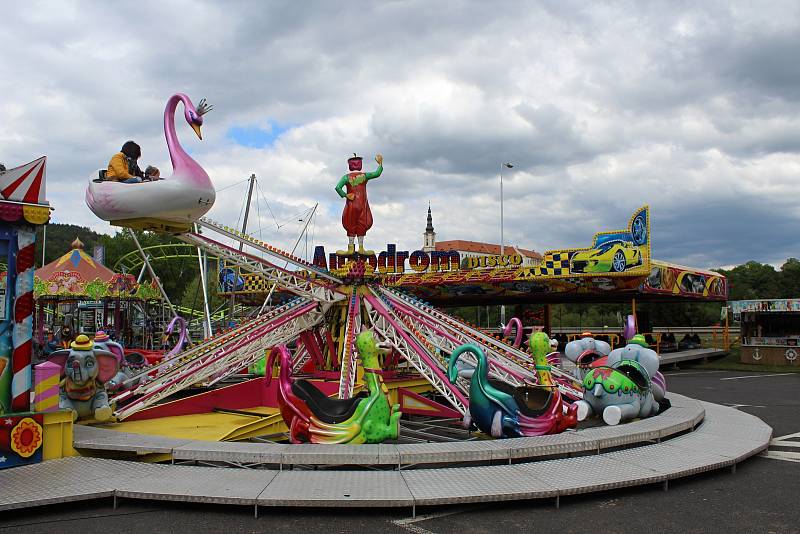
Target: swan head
point(194, 115)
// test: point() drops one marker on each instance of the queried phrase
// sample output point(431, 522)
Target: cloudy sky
point(691, 107)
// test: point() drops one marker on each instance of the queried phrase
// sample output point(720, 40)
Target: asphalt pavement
point(762, 496)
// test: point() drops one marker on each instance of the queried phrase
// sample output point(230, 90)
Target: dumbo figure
point(624, 388)
point(582, 352)
point(86, 369)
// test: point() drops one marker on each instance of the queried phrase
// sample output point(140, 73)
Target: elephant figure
point(582, 352)
point(86, 370)
point(628, 386)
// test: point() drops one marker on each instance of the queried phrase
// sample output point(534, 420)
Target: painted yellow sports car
point(612, 256)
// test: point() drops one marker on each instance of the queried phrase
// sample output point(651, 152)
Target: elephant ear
point(649, 360)
point(573, 349)
point(107, 364)
point(59, 357)
point(602, 347)
point(117, 350)
point(617, 355)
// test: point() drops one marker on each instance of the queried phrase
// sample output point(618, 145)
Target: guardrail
point(719, 337)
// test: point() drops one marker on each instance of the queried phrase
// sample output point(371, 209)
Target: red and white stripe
point(25, 183)
point(23, 321)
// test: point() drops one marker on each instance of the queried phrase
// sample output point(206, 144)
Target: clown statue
point(356, 217)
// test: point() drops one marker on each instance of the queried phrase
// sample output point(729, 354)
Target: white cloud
point(689, 107)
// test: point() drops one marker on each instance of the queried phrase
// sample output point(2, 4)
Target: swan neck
point(180, 159)
point(482, 368)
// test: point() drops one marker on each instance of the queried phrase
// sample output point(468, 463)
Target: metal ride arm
point(389, 328)
point(152, 272)
point(265, 248)
point(299, 237)
point(521, 363)
point(347, 376)
point(207, 328)
point(301, 357)
point(294, 282)
point(207, 346)
point(448, 341)
point(413, 326)
point(227, 359)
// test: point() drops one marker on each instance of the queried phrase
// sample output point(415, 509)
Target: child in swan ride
point(171, 204)
point(124, 168)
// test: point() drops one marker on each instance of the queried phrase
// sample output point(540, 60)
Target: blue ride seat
point(532, 401)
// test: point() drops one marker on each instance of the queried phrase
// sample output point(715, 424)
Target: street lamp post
point(502, 237)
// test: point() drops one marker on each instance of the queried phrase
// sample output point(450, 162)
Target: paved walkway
point(725, 437)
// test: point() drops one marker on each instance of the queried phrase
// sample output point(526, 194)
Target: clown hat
point(638, 339)
point(101, 337)
point(354, 163)
point(82, 342)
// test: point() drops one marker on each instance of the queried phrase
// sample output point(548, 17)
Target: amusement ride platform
point(326, 304)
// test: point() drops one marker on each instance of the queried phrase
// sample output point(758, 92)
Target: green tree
point(753, 280)
point(789, 279)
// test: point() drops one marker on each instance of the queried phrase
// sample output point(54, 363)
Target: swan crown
point(203, 107)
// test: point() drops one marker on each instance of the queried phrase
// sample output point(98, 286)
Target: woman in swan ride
point(170, 204)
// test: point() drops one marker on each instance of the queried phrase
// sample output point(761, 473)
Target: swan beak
point(196, 128)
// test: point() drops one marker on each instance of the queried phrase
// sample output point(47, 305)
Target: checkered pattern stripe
point(554, 264)
point(252, 284)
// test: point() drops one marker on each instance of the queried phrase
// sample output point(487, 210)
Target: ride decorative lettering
point(393, 261)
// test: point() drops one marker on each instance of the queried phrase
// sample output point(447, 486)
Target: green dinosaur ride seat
point(326, 409)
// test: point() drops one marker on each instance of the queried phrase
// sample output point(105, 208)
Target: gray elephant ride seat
point(86, 370)
point(626, 387)
point(584, 352)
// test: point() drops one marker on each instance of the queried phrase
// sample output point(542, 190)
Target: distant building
point(476, 249)
point(770, 330)
point(429, 237)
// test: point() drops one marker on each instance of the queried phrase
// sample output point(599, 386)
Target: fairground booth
point(770, 330)
point(77, 294)
point(27, 435)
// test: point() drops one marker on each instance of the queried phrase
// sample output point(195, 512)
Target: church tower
point(429, 243)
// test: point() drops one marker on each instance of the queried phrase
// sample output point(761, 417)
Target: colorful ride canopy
point(76, 274)
point(617, 266)
point(23, 192)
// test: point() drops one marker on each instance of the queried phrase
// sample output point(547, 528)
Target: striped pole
point(23, 321)
point(47, 376)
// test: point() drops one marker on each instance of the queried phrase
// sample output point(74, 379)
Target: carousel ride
point(314, 334)
point(321, 323)
point(76, 293)
point(368, 309)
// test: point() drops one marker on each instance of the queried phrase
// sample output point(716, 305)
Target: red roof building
point(475, 249)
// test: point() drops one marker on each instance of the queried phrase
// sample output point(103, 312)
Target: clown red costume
point(357, 217)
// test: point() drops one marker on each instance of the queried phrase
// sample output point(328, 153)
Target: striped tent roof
point(76, 261)
point(25, 183)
